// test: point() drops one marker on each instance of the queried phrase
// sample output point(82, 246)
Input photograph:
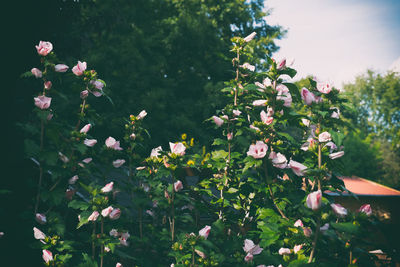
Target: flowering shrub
point(259, 199)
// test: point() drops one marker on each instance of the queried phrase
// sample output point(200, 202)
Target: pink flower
point(44, 48)
point(278, 160)
point(248, 66)
point(265, 118)
point(307, 96)
point(105, 212)
point(297, 168)
point(324, 87)
point(305, 122)
point(86, 128)
point(200, 253)
point(42, 102)
point(108, 187)
point(73, 179)
point(90, 142)
point(297, 248)
point(314, 200)
point(339, 210)
point(281, 64)
point(284, 251)
point(38, 234)
point(93, 216)
point(47, 255)
point(251, 249)
point(178, 186)
point(132, 136)
point(79, 68)
point(107, 249)
point(336, 113)
point(61, 68)
point(118, 264)
point(229, 136)
point(115, 214)
point(155, 152)
point(331, 145)
point(177, 148)
point(84, 94)
point(205, 231)
point(298, 223)
point(254, 127)
point(249, 37)
point(112, 143)
point(40, 218)
point(336, 155)
point(36, 72)
point(141, 115)
point(258, 151)
point(324, 137)
point(87, 160)
point(97, 84)
point(249, 257)
point(284, 95)
point(47, 85)
point(260, 102)
point(218, 121)
point(118, 163)
point(114, 233)
point(366, 208)
point(236, 112)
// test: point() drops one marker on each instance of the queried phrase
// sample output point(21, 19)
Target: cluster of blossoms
point(42, 101)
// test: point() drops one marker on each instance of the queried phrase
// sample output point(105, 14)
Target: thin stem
point(172, 220)
point(351, 256)
point(102, 245)
point(319, 165)
point(40, 167)
point(319, 217)
point(81, 113)
point(192, 256)
point(94, 236)
point(272, 194)
point(314, 243)
point(237, 77)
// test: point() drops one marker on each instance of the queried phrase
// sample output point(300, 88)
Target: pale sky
point(336, 40)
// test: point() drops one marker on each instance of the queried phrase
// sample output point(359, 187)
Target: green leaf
point(287, 136)
point(294, 91)
point(288, 71)
point(347, 227)
point(87, 261)
point(219, 154)
point(232, 190)
point(79, 205)
point(218, 141)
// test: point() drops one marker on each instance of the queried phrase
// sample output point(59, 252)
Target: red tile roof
point(361, 186)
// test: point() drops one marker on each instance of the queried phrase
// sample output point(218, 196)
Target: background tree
point(376, 99)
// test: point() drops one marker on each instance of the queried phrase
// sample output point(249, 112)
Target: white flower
point(248, 66)
point(324, 137)
point(118, 163)
point(141, 115)
point(38, 234)
point(249, 37)
point(155, 152)
point(90, 142)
